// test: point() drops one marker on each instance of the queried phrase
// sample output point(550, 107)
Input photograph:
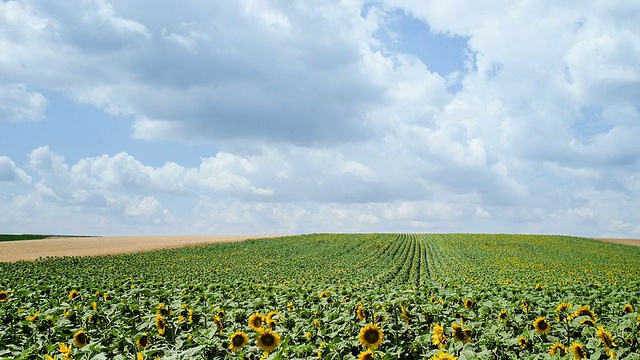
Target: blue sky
point(247, 117)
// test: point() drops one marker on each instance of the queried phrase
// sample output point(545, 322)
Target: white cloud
point(9, 172)
point(102, 10)
point(17, 103)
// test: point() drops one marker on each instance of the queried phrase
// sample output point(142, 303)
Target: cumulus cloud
point(17, 103)
point(9, 172)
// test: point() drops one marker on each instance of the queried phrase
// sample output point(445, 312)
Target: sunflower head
point(405, 315)
point(564, 306)
point(271, 314)
point(33, 317)
point(503, 315)
point(627, 309)
point(73, 294)
point(162, 310)
point(578, 351)
point(80, 338)
point(541, 325)
point(4, 296)
point(238, 340)
point(64, 349)
point(218, 322)
point(143, 341)
point(366, 355)
point(371, 336)
point(583, 311)
point(460, 334)
point(588, 322)
point(161, 324)
point(443, 356)
point(610, 353)
point(523, 343)
point(468, 303)
point(361, 313)
point(605, 337)
point(558, 349)
point(438, 338)
point(268, 340)
point(255, 321)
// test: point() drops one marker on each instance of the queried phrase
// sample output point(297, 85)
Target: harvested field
point(633, 242)
point(105, 245)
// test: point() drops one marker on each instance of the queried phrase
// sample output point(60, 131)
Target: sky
point(285, 117)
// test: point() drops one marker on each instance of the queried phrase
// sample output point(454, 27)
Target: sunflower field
point(331, 296)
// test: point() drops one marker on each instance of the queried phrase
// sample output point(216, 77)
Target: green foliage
point(404, 283)
point(12, 237)
point(17, 237)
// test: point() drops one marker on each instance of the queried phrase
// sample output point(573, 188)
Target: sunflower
point(610, 353)
point(371, 336)
point(443, 356)
point(73, 294)
point(564, 306)
point(4, 296)
point(523, 342)
point(541, 325)
point(271, 314)
point(80, 338)
point(140, 356)
point(583, 311)
point(468, 303)
point(238, 340)
point(578, 351)
point(268, 340)
point(192, 318)
point(558, 349)
point(271, 322)
point(366, 355)
point(627, 309)
point(438, 337)
point(218, 322)
point(362, 314)
point(606, 338)
point(588, 322)
point(162, 310)
point(405, 315)
point(503, 315)
point(459, 334)
point(255, 321)
point(33, 317)
point(64, 350)
point(160, 324)
point(143, 341)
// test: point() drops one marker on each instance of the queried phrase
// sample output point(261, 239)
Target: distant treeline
point(15, 237)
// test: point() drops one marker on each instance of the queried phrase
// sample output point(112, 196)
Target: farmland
point(331, 296)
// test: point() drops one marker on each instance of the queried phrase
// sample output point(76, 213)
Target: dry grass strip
point(30, 250)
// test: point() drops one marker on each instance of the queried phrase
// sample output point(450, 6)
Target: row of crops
point(331, 296)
